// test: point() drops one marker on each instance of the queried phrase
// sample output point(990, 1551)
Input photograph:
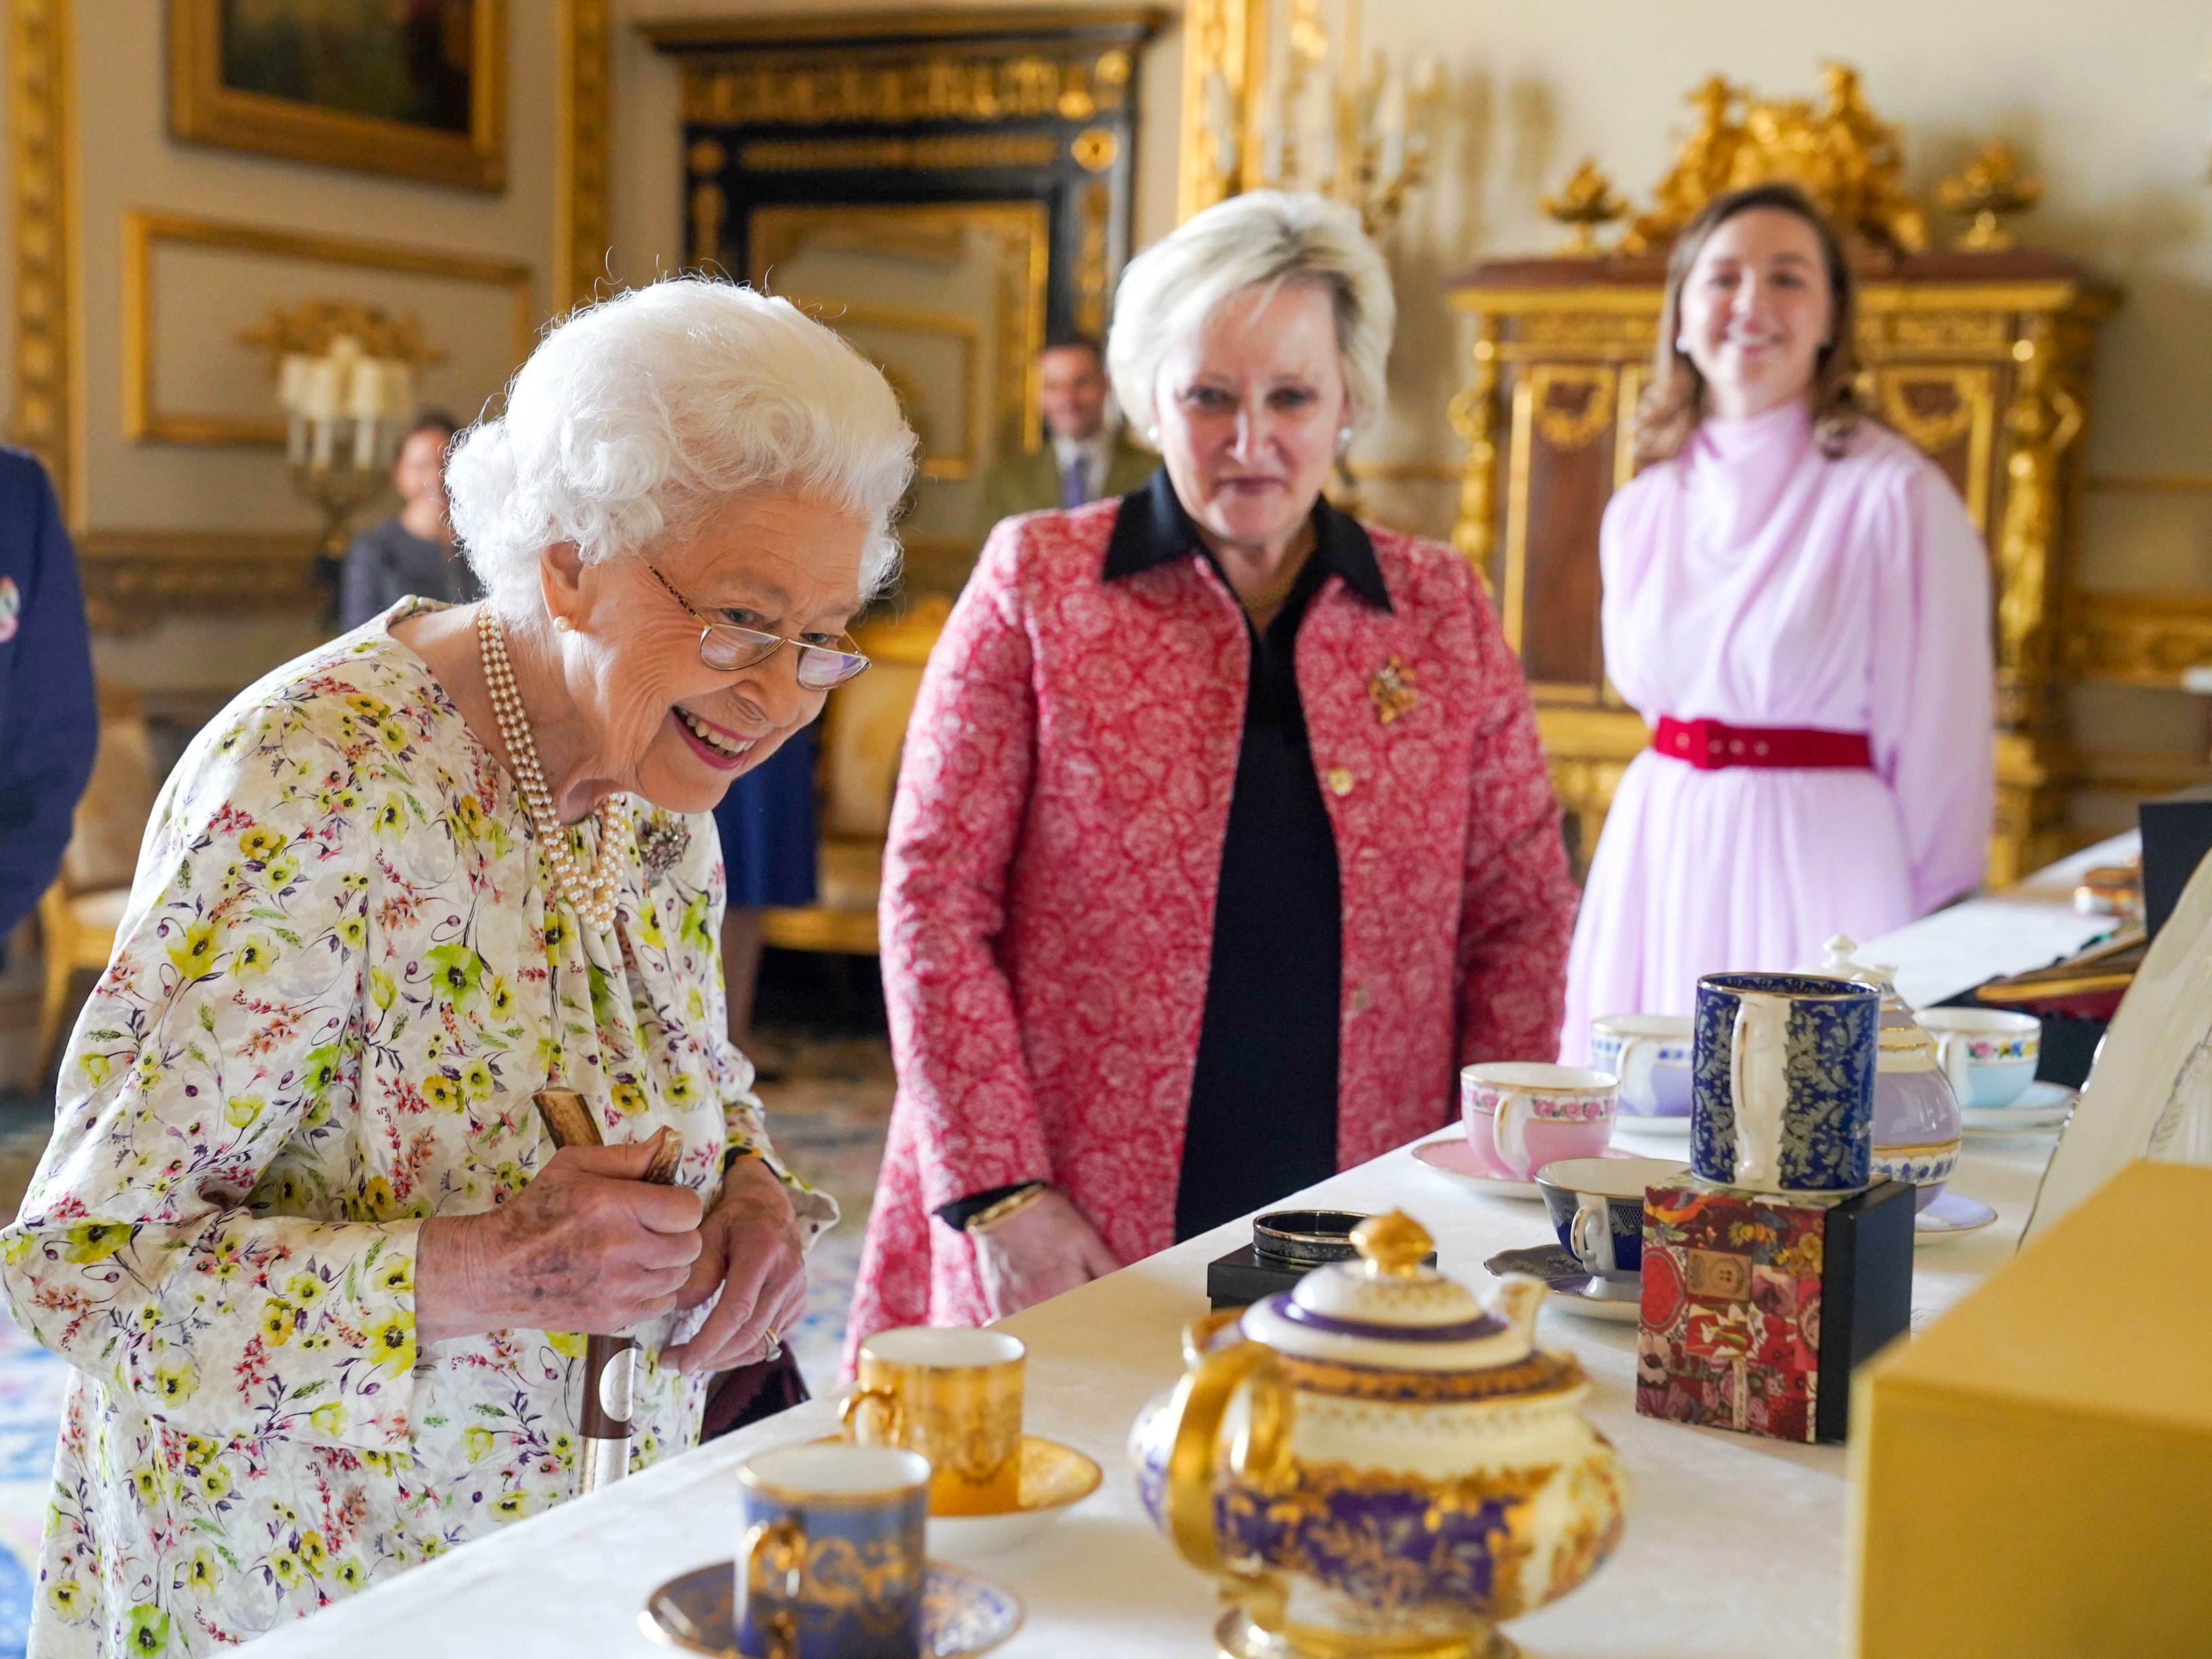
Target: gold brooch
point(1390, 689)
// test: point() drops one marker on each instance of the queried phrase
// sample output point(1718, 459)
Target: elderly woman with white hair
point(323, 1276)
point(1222, 839)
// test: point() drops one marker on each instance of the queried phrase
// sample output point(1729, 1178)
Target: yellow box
point(2032, 1474)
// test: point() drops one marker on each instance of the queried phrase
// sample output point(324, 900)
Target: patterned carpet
point(828, 1117)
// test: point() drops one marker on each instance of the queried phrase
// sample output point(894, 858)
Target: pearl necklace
point(593, 900)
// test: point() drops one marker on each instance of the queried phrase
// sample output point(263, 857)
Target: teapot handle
point(1261, 1454)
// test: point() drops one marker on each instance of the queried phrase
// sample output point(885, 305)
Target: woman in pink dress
point(1797, 603)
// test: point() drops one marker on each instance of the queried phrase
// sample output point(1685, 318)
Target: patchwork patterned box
point(1756, 1305)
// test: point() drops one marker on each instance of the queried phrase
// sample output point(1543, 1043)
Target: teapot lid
point(1389, 1310)
point(1882, 977)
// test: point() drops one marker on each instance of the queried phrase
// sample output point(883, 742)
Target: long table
point(1734, 1545)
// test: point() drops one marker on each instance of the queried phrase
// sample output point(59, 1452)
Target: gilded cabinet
point(1981, 359)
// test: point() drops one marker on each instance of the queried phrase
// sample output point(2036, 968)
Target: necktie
point(1074, 489)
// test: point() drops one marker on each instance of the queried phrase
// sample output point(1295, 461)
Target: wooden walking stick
point(610, 1362)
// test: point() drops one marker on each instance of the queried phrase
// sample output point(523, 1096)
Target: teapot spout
point(1517, 1300)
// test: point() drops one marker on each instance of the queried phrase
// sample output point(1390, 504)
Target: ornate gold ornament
point(1585, 203)
point(1095, 148)
point(1991, 187)
point(927, 82)
point(1842, 155)
point(1474, 415)
point(309, 327)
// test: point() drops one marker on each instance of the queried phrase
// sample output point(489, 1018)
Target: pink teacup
point(1521, 1115)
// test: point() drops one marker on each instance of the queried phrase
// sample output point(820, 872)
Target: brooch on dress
point(662, 840)
point(1390, 689)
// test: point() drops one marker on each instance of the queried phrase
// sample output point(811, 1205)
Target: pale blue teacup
point(1989, 1054)
point(1650, 1055)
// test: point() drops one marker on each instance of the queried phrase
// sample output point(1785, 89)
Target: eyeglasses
point(728, 649)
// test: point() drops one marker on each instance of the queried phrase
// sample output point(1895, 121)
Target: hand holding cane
point(610, 1362)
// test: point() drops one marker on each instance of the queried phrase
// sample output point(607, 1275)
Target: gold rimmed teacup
point(955, 1396)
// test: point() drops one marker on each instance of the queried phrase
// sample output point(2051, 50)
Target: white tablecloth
point(1734, 1545)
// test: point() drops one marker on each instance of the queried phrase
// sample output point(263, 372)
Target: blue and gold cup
point(833, 1558)
point(1782, 1082)
point(1596, 1207)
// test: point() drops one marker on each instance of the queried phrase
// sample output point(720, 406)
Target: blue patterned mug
point(832, 1563)
point(1782, 1085)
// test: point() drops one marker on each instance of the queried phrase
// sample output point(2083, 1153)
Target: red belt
point(1710, 746)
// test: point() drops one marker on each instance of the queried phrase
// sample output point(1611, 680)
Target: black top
point(1263, 1098)
point(388, 562)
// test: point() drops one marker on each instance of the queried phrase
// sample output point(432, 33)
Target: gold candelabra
point(344, 415)
point(1286, 97)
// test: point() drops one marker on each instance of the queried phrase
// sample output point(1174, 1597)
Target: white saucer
point(2041, 1106)
point(1667, 1128)
point(1953, 1212)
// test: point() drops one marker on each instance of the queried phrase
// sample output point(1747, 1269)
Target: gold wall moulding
point(136, 579)
point(204, 109)
point(2151, 484)
point(1020, 233)
point(2142, 639)
point(41, 125)
point(144, 230)
point(951, 152)
point(583, 44)
point(939, 458)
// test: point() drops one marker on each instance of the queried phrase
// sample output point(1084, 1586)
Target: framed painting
point(417, 89)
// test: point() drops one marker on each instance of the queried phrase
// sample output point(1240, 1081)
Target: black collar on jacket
point(1152, 529)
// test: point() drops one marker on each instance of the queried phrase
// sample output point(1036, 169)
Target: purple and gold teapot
point(1916, 1113)
point(1376, 1463)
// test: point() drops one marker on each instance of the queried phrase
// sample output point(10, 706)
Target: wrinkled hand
point(754, 1258)
point(586, 1246)
point(1037, 1253)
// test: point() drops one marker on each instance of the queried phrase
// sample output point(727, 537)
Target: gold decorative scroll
point(1966, 409)
point(1091, 277)
point(2044, 420)
point(949, 153)
point(2142, 639)
point(135, 579)
point(809, 89)
point(1224, 45)
point(1567, 427)
point(310, 326)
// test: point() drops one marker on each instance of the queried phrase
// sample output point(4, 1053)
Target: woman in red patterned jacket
point(1221, 838)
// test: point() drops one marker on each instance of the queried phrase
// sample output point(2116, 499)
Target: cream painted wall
point(126, 158)
point(647, 225)
point(2107, 103)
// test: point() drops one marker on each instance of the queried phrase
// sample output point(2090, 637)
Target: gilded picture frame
point(205, 108)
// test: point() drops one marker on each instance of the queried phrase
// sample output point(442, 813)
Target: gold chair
point(863, 731)
point(79, 914)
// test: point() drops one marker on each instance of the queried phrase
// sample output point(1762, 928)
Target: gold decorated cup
point(956, 1397)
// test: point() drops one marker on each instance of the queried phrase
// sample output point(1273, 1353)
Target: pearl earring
point(563, 625)
point(1152, 436)
point(1343, 436)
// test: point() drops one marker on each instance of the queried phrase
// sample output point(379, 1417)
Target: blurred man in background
point(1086, 456)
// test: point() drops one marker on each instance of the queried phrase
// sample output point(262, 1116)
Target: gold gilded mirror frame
point(948, 189)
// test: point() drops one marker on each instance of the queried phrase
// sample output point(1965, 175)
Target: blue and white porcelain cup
point(1782, 1090)
point(1989, 1054)
point(1596, 1207)
point(1650, 1055)
point(833, 1558)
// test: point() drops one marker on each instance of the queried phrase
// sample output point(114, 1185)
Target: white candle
point(292, 382)
point(295, 438)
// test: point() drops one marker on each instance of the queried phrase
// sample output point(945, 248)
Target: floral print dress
point(337, 984)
